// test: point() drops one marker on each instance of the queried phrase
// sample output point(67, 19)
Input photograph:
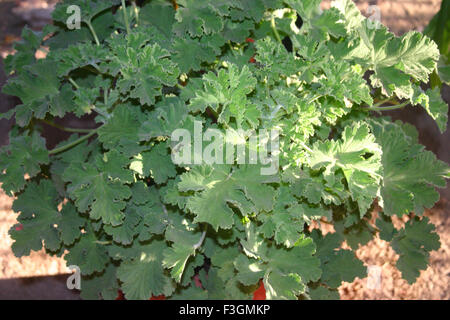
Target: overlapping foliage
point(132, 220)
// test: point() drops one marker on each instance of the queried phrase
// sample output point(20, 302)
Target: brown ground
point(434, 283)
point(400, 15)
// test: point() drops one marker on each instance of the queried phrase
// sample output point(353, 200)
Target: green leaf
point(158, 162)
point(439, 28)
point(70, 224)
point(358, 156)
point(88, 9)
point(35, 86)
point(144, 68)
point(100, 286)
point(88, 254)
point(435, 106)
point(337, 264)
point(196, 18)
point(342, 81)
point(121, 130)
point(316, 21)
point(413, 244)
point(322, 293)
point(78, 56)
point(24, 155)
point(169, 115)
point(244, 188)
point(280, 286)
point(250, 272)
point(342, 266)
point(160, 14)
point(409, 172)
point(101, 192)
point(175, 258)
point(226, 93)
point(144, 276)
point(125, 232)
point(387, 230)
point(25, 49)
point(276, 62)
point(289, 270)
point(393, 59)
point(191, 293)
point(39, 214)
point(190, 54)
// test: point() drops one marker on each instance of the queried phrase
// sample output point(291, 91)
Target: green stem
point(73, 83)
point(92, 68)
point(315, 98)
point(105, 97)
point(101, 112)
point(231, 47)
point(398, 106)
point(74, 143)
point(94, 34)
point(306, 147)
point(202, 238)
point(103, 242)
point(136, 12)
point(382, 102)
point(125, 17)
point(76, 130)
point(274, 29)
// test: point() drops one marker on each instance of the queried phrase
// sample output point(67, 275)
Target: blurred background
point(42, 277)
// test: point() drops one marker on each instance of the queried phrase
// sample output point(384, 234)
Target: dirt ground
point(434, 283)
point(399, 15)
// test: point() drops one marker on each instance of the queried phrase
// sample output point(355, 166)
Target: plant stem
point(315, 98)
point(94, 34)
point(103, 242)
point(65, 128)
point(105, 97)
point(74, 143)
point(202, 238)
point(306, 147)
point(73, 83)
point(395, 107)
point(136, 12)
point(125, 17)
point(101, 112)
point(379, 103)
point(231, 47)
point(274, 29)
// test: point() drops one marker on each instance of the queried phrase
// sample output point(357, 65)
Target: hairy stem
point(103, 242)
point(76, 130)
point(73, 83)
point(381, 102)
point(74, 143)
point(202, 238)
point(388, 108)
point(125, 17)
point(101, 112)
point(136, 12)
point(274, 29)
point(94, 34)
point(306, 147)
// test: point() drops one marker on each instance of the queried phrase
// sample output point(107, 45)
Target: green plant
point(135, 221)
point(439, 30)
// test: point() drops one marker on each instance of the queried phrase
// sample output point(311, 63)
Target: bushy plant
point(115, 202)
